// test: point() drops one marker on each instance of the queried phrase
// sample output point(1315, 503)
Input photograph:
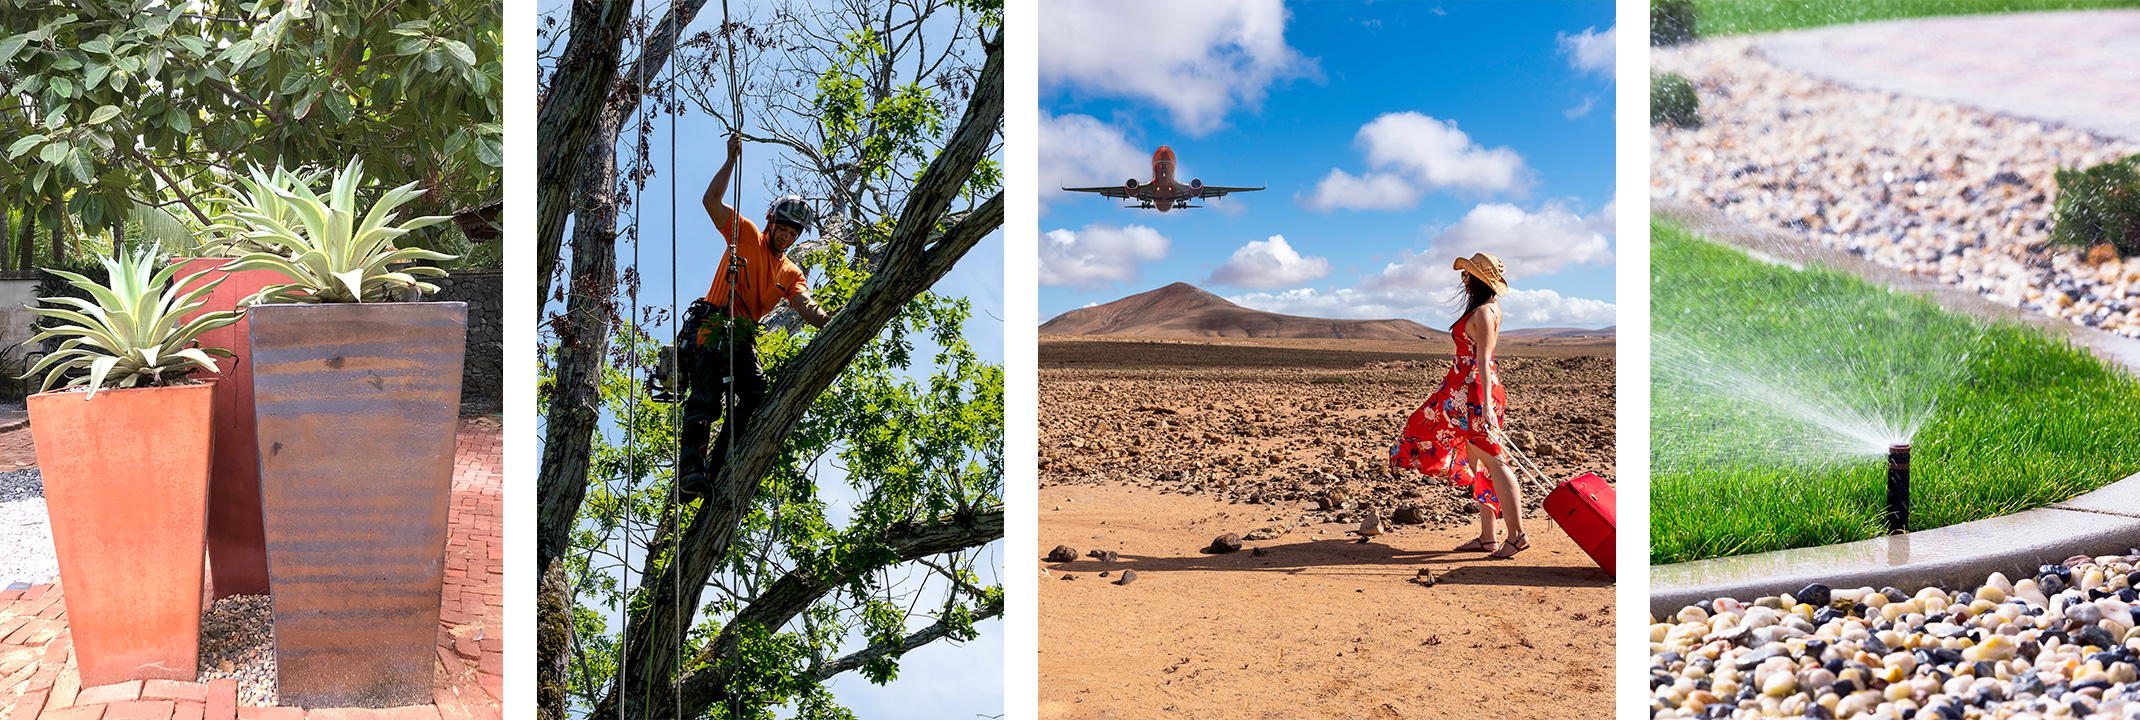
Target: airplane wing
point(1214, 191)
point(1113, 191)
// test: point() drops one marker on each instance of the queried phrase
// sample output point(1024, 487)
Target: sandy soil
point(1151, 448)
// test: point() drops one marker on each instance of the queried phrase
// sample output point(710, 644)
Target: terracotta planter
point(126, 484)
point(236, 546)
point(356, 408)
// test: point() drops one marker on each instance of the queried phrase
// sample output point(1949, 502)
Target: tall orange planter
point(126, 485)
point(237, 545)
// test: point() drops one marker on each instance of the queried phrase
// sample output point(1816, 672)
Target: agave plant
point(327, 253)
point(131, 335)
point(259, 192)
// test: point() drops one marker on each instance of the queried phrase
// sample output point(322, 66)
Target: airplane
point(1163, 193)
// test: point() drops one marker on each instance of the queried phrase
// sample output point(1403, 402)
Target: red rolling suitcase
point(1584, 507)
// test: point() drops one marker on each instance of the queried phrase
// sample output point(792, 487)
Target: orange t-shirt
point(767, 278)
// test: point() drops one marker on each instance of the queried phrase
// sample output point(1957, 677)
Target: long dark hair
point(1480, 292)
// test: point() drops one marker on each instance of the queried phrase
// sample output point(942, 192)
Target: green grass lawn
point(1730, 17)
point(2021, 419)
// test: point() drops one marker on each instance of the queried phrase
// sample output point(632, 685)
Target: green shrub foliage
point(2100, 204)
point(1671, 22)
point(1672, 101)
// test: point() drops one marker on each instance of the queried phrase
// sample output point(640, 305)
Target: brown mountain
point(1607, 331)
point(1184, 310)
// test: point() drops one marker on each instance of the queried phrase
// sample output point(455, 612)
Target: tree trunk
point(26, 241)
point(553, 643)
point(567, 123)
point(59, 222)
point(575, 398)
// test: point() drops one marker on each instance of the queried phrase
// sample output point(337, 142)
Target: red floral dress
point(1434, 437)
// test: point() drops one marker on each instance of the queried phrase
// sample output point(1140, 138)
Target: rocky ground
point(1154, 448)
point(238, 641)
point(26, 554)
point(1929, 187)
point(1303, 428)
point(2060, 643)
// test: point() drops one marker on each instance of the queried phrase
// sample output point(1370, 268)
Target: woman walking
point(1456, 434)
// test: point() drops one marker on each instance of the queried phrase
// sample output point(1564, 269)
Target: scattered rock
point(1410, 515)
point(1062, 554)
point(1222, 544)
point(1260, 552)
point(1128, 576)
point(1266, 533)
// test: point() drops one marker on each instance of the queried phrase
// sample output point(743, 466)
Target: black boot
point(693, 482)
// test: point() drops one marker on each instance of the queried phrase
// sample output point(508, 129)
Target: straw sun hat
point(1487, 268)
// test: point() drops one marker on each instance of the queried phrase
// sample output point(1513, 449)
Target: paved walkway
point(37, 669)
point(2080, 69)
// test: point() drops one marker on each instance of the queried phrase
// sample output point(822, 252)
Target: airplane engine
point(1195, 184)
point(1130, 184)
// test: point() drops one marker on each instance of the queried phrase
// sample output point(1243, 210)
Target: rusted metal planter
point(126, 486)
point(236, 546)
point(356, 407)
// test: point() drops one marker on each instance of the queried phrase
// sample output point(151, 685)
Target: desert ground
point(1152, 447)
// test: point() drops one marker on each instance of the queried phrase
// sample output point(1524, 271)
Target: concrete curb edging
point(1957, 557)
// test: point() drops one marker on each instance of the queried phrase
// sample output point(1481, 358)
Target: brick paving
point(37, 669)
point(2073, 68)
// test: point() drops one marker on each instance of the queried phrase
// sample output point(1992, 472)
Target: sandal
point(1478, 545)
point(1517, 544)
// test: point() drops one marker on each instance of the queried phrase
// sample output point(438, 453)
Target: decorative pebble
point(1996, 652)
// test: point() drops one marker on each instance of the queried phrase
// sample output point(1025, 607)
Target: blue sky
point(1393, 136)
point(939, 680)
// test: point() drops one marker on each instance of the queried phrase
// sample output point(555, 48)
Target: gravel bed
point(26, 553)
point(1928, 187)
point(2061, 643)
point(238, 641)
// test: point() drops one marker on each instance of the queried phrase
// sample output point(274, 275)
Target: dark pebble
point(1226, 543)
point(2095, 635)
point(2027, 684)
point(1062, 554)
point(1128, 576)
point(1815, 594)
point(1893, 595)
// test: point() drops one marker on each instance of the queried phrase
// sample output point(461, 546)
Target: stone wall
point(483, 372)
point(18, 290)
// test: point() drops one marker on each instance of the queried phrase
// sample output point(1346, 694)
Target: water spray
point(1898, 488)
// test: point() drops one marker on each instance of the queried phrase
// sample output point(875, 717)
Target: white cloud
point(1435, 306)
point(1266, 264)
point(1418, 154)
point(1589, 101)
point(1590, 51)
point(1098, 255)
point(1198, 61)
point(1529, 244)
point(1374, 191)
point(1081, 151)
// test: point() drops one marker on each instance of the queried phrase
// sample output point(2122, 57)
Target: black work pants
point(710, 373)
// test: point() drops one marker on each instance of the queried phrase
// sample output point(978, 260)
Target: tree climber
point(756, 276)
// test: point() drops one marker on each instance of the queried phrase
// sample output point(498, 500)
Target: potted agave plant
point(355, 402)
point(237, 547)
point(124, 452)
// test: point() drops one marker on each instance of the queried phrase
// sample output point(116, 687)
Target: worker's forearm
point(719, 186)
point(807, 307)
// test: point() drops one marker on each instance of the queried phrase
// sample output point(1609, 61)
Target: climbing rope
point(735, 268)
point(624, 618)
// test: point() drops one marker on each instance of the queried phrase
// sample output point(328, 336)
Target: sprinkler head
point(1898, 488)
